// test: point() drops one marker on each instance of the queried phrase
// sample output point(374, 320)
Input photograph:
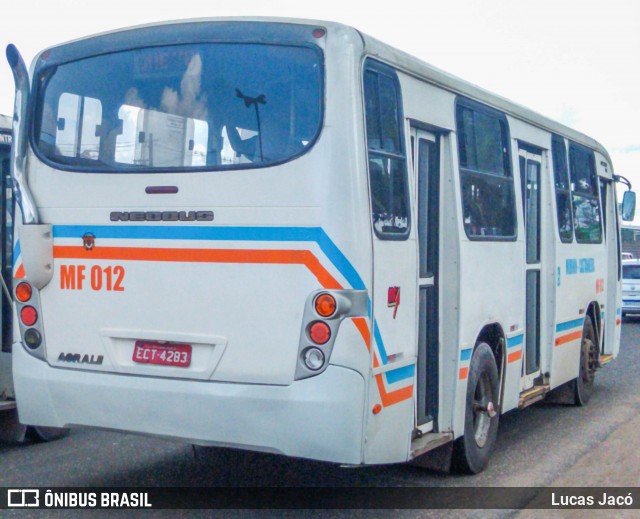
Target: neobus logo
point(162, 216)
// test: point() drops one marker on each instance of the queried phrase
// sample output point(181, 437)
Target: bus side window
point(584, 195)
point(563, 189)
point(488, 198)
point(385, 146)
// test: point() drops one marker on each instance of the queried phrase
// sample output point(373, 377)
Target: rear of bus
point(201, 262)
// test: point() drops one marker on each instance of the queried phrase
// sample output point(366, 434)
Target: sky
point(577, 62)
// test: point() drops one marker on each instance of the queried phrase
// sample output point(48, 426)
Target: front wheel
point(473, 449)
point(589, 362)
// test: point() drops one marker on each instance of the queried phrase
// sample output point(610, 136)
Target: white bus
point(287, 236)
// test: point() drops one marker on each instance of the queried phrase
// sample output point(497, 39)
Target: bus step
point(533, 395)
point(605, 359)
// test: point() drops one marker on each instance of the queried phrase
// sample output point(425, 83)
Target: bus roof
point(438, 77)
point(408, 64)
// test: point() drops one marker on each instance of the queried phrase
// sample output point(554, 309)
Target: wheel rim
point(483, 410)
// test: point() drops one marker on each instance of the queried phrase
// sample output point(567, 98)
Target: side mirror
point(628, 206)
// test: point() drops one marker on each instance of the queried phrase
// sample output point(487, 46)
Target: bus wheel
point(48, 434)
point(583, 385)
point(472, 450)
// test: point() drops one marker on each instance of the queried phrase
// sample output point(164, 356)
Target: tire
point(472, 450)
point(48, 434)
point(583, 385)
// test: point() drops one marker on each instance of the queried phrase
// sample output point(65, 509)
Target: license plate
point(178, 355)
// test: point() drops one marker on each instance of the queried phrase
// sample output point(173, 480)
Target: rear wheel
point(583, 385)
point(472, 450)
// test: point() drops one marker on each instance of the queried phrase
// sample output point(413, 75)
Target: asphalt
point(615, 462)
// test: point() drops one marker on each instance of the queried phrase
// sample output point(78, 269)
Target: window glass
point(583, 175)
point(487, 185)
point(210, 105)
point(631, 271)
point(603, 203)
point(587, 219)
point(532, 202)
point(563, 189)
point(584, 195)
point(488, 206)
point(387, 163)
point(483, 146)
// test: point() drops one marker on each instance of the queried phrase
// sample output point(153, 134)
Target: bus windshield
point(181, 107)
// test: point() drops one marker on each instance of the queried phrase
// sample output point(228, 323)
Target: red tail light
point(28, 315)
point(320, 332)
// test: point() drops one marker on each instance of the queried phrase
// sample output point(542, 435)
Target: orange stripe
point(363, 328)
point(464, 373)
point(568, 338)
point(512, 357)
point(618, 322)
point(20, 272)
point(260, 256)
point(395, 396)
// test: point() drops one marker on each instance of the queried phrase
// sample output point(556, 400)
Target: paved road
point(535, 446)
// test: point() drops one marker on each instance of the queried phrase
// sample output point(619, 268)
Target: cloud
point(189, 102)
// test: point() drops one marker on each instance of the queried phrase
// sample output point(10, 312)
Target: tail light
point(23, 292)
point(27, 301)
point(323, 313)
point(325, 305)
point(319, 332)
point(32, 338)
point(28, 315)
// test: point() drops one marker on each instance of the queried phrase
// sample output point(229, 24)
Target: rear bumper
point(319, 417)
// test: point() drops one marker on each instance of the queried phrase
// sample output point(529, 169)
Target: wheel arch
point(493, 334)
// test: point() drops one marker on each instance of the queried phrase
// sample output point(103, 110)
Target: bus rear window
point(182, 107)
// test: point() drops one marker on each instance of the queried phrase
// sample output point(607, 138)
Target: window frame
point(595, 181)
point(44, 72)
point(465, 103)
point(377, 67)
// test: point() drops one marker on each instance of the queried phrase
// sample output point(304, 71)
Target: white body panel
point(235, 287)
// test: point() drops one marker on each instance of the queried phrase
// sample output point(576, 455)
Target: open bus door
point(10, 428)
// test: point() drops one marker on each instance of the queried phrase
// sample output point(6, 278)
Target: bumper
point(319, 417)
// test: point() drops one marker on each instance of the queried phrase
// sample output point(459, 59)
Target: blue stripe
point(466, 354)
point(286, 234)
point(563, 327)
point(16, 252)
point(515, 341)
point(191, 232)
point(378, 338)
point(399, 374)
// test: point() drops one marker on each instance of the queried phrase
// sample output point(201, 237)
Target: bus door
point(6, 240)
point(425, 152)
point(530, 160)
